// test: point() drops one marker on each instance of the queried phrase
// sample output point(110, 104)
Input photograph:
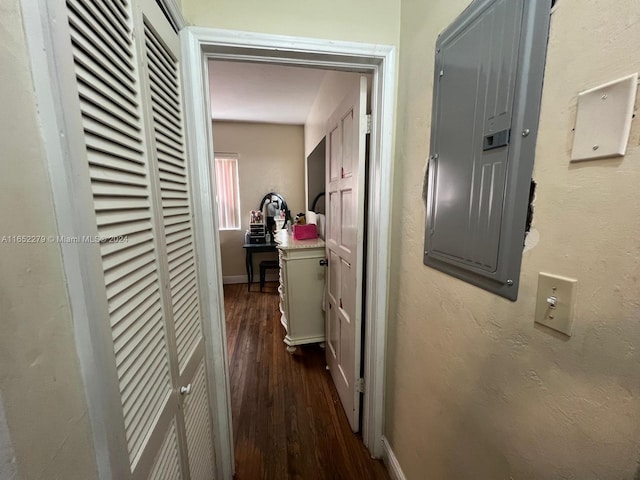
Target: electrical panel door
point(487, 85)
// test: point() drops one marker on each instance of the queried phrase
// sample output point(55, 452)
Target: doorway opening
point(202, 45)
point(273, 120)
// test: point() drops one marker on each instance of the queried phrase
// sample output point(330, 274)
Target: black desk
point(250, 249)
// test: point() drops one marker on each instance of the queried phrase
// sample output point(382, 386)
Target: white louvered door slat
point(166, 465)
point(166, 105)
point(111, 104)
point(93, 96)
point(198, 428)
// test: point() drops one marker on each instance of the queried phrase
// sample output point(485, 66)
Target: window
point(228, 191)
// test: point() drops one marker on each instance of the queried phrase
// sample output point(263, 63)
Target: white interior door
point(126, 61)
point(346, 137)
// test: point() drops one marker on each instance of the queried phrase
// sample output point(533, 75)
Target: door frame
point(203, 44)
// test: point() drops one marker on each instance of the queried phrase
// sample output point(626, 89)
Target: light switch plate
point(564, 290)
point(603, 120)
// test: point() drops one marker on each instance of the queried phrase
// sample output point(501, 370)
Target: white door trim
point(202, 44)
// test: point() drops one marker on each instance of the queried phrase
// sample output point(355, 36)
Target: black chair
point(266, 265)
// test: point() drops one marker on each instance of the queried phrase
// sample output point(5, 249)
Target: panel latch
point(496, 140)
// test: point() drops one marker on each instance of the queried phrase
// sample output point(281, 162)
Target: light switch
point(603, 120)
point(556, 302)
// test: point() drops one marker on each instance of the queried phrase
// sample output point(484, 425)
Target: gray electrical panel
point(488, 83)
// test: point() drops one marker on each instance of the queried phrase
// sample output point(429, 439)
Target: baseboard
point(231, 279)
point(390, 460)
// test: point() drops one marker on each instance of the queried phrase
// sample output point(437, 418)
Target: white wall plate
point(556, 302)
point(603, 120)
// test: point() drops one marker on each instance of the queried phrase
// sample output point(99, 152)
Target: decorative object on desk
point(300, 219)
point(258, 233)
point(272, 209)
point(318, 220)
point(305, 232)
point(280, 204)
point(256, 216)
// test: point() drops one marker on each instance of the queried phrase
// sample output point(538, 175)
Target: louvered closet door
point(165, 111)
point(107, 75)
point(138, 176)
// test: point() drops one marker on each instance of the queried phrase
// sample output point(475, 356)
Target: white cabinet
point(301, 289)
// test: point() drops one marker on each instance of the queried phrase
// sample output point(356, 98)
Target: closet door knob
point(185, 390)
point(324, 262)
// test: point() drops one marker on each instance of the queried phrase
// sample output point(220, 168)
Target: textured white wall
point(475, 389)
point(40, 381)
point(271, 160)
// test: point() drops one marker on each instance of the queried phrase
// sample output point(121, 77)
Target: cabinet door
point(304, 283)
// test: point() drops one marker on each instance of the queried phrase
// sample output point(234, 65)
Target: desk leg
point(249, 267)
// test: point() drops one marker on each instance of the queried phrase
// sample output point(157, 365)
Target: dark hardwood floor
point(287, 420)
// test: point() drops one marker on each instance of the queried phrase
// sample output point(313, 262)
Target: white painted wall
point(475, 389)
point(40, 383)
point(271, 159)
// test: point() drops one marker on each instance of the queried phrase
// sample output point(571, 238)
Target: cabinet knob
point(324, 262)
point(185, 390)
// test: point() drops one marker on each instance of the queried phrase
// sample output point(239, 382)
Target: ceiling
point(260, 92)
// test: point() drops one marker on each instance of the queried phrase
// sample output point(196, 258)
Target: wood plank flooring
point(287, 420)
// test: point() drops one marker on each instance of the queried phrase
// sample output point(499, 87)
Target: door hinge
point(441, 73)
point(369, 123)
point(360, 385)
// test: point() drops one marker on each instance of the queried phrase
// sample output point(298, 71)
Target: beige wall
point(271, 160)
point(373, 21)
point(7, 457)
point(475, 390)
point(40, 380)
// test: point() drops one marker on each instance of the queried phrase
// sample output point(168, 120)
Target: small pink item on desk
point(305, 232)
